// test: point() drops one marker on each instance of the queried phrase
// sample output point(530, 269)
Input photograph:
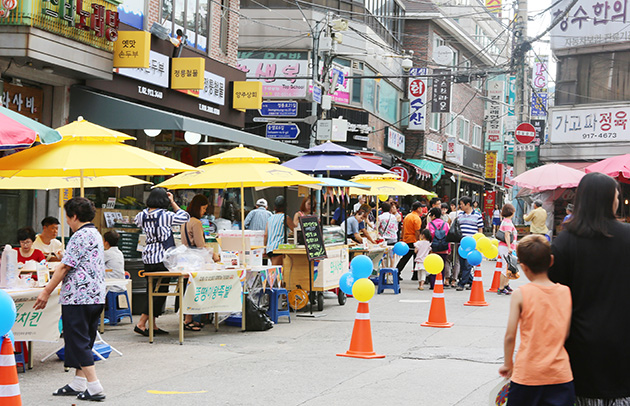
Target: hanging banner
point(213, 291)
point(539, 84)
point(494, 110)
point(489, 200)
point(491, 165)
point(441, 100)
point(500, 173)
point(417, 94)
point(494, 6)
point(35, 325)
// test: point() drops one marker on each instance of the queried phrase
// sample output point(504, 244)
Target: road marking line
point(414, 301)
point(160, 392)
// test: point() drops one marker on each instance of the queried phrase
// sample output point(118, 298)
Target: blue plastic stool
point(19, 355)
point(112, 312)
point(274, 301)
point(382, 281)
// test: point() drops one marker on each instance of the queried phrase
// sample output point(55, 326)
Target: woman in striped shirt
point(274, 233)
point(156, 224)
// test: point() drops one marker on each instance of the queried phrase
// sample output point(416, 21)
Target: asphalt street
point(296, 364)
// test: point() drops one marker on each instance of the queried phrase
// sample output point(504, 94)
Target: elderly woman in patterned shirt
point(82, 273)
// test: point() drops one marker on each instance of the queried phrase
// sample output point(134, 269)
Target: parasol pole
point(243, 226)
point(81, 177)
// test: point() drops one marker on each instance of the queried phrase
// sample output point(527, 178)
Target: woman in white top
point(387, 224)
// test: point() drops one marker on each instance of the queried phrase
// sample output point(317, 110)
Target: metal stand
point(310, 291)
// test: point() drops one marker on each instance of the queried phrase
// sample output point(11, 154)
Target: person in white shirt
point(47, 241)
point(114, 260)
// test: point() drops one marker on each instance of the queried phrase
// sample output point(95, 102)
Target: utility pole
point(315, 61)
point(519, 59)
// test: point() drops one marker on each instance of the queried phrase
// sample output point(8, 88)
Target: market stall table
point(325, 273)
point(376, 253)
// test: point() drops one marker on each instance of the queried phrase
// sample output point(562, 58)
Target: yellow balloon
point(363, 290)
point(433, 264)
point(383, 198)
point(491, 252)
point(483, 243)
point(477, 236)
point(495, 242)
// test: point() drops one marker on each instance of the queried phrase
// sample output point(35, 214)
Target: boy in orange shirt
point(541, 374)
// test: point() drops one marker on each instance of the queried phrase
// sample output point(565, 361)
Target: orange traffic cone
point(9, 386)
point(477, 297)
point(437, 314)
point(361, 341)
point(496, 279)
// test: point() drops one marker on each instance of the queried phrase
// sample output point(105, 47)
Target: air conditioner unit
point(356, 65)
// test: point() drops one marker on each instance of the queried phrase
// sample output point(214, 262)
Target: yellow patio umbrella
point(239, 167)
point(387, 184)
point(88, 154)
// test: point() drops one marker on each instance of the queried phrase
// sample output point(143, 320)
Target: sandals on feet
point(66, 391)
point(86, 396)
point(192, 327)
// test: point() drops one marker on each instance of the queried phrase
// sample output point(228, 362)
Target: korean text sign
point(494, 112)
point(418, 101)
point(441, 101)
point(187, 73)
point(279, 70)
point(590, 22)
point(592, 125)
point(132, 50)
point(213, 291)
point(35, 325)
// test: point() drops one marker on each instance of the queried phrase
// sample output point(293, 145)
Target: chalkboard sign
point(313, 240)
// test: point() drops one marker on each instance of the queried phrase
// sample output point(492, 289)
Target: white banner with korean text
point(418, 101)
point(212, 292)
point(590, 22)
point(591, 124)
point(35, 325)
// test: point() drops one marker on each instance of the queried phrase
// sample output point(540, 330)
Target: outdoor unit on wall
point(159, 31)
point(356, 65)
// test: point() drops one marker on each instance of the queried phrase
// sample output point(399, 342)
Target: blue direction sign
point(340, 77)
point(282, 131)
point(279, 109)
point(317, 94)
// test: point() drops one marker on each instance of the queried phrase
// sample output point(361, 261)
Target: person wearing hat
point(257, 218)
point(569, 211)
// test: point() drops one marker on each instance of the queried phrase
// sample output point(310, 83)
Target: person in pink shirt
point(439, 245)
point(507, 247)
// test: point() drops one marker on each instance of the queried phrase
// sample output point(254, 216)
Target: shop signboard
point(494, 6)
point(278, 71)
point(247, 95)
point(395, 140)
point(441, 100)
point(510, 120)
point(213, 89)
point(454, 151)
point(132, 50)
point(434, 149)
point(489, 200)
point(279, 109)
point(540, 93)
point(539, 104)
point(589, 23)
point(401, 171)
point(539, 126)
point(187, 73)
point(326, 272)
point(499, 173)
point(282, 131)
point(342, 87)
point(156, 73)
point(491, 165)
point(474, 159)
point(35, 325)
point(417, 94)
point(25, 100)
point(317, 94)
point(494, 110)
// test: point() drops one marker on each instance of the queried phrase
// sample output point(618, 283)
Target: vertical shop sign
point(491, 165)
point(494, 112)
point(500, 173)
point(489, 200)
point(395, 140)
point(441, 101)
point(418, 101)
point(539, 125)
point(539, 85)
point(454, 151)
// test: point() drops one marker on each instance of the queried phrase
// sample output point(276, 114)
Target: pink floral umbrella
point(14, 135)
point(617, 166)
point(549, 177)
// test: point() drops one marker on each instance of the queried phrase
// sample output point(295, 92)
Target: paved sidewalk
point(295, 364)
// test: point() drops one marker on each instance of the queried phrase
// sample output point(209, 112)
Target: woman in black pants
point(156, 223)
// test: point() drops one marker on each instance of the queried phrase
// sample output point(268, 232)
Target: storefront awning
point(466, 177)
point(124, 115)
point(436, 169)
point(369, 156)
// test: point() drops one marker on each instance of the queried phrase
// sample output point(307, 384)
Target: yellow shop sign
point(247, 95)
point(187, 73)
point(132, 49)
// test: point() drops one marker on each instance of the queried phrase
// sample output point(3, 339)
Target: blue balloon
point(468, 244)
point(474, 258)
point(361, 267)
point(462, 252)
point(10, 335)
point(7, 313)
point(401, 248)
point(345, 283)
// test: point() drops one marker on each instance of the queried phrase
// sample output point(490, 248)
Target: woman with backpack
point(387, 224)
point(439, 230)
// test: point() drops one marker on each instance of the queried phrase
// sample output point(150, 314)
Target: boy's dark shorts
point(562, 394)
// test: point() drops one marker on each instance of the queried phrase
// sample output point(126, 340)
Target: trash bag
point(255, 318)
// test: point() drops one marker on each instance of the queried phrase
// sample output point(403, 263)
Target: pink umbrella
point(14, 135)
point(549, 177)
point(617, 166)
